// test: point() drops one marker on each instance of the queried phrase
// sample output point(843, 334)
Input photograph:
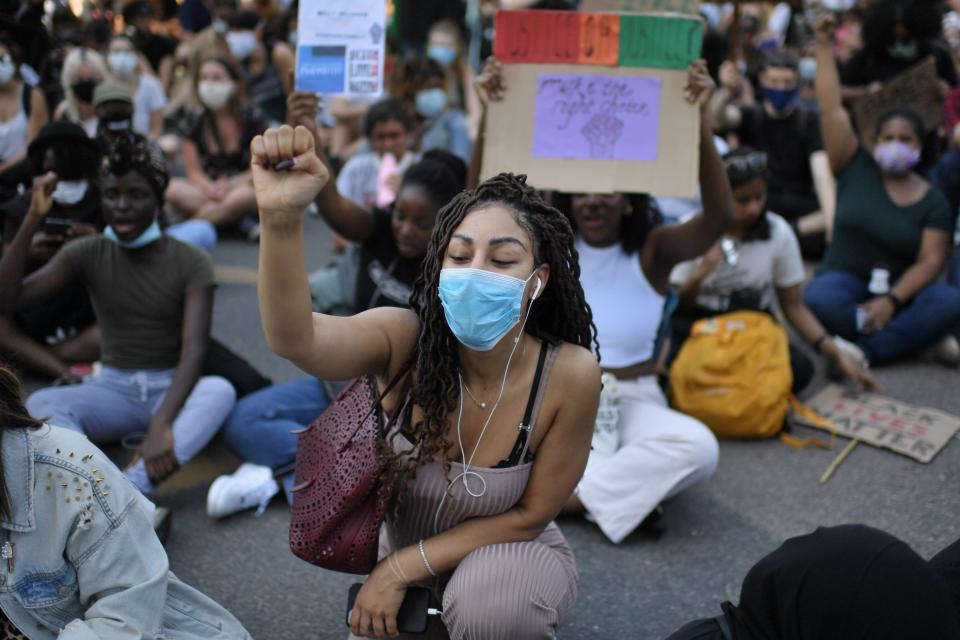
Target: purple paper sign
point(597, 117)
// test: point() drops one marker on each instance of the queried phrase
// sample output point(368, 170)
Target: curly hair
point(561, 313)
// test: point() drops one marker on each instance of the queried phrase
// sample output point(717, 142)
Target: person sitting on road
point(149, 100)
point(52, 337)
point(387, 127)
point(390, 248)
point(849, 581)
point(649, 452)
point(892, 234)
point(801, 187)
point(216, 149)
point(762, 266)
point(83, 70)
point(75, 528)
point(23, 109)
point(496, 252)
point(153, 297)
point(444, 127)
point(262, 78)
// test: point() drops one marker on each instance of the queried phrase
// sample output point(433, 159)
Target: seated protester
point(443, 126)
point(445, 44)
point(216, 149)
point(496, 252)
point(390, 249)
point(897, 34)
point(263, 85)
point(23, 109)
point(801, 187)
point(387, 127)
point(153, 296)
point(48, 338)
point(83, 70)
point(149, 100)
point(890, 220)
point(93, 528)
point(114, 107)
point(849, 581)
point(157, 49)
point(767, 269)
point(651, 452)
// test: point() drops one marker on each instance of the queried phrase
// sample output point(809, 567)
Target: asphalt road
point(762, 493)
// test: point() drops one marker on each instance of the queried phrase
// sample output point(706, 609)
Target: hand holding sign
point(699, 85)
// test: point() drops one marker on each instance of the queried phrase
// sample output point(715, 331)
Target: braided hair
point(560, 314)
point(133, 152)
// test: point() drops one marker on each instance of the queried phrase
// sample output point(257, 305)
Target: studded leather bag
point(342, 479)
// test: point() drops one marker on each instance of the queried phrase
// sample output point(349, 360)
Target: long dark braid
point(560, 314)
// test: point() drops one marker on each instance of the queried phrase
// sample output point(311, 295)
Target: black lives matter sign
point(914, 431)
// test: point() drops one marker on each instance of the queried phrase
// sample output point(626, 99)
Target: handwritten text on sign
point(917, 432)
point(596, 117)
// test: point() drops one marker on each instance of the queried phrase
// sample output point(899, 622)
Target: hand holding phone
point(413, 614)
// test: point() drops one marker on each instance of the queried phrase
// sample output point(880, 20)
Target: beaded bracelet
point(426, 563)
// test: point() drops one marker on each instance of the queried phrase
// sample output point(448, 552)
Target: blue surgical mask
point(151, 234)
point(780, 99)
point(431, 102)
point(808, 69)
point(480, 306)
point(442, 53)
point(903, 50)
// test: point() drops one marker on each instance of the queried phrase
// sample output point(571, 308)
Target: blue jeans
point(199, 233)
point(259, 429)
point(833, 296)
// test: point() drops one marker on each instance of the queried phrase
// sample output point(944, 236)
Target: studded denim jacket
point(78, 556)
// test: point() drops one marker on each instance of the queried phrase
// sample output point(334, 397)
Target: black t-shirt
point(214, 161)
point(385, 278)
point(865, 67)
point(788, 143)
point(155, 48)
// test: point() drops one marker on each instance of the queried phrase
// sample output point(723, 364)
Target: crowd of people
point(135, 135)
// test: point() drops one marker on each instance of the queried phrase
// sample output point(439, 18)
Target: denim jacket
point(79, 559)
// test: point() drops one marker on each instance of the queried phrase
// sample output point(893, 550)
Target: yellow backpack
point(733, 374)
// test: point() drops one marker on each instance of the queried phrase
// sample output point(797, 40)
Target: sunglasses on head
point(750, 163)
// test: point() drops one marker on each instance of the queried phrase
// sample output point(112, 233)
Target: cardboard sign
point(917, 432)
point(596, 117)
point(341, 47)
point(916, 88)
point(516, 126)
point(551, 37)
point(691, 7)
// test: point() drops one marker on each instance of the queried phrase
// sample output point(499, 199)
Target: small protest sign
point(917, 432)
point(917, 88)
point(341, 47)
point(641, 6)
point(592, 98)
point(582, 116)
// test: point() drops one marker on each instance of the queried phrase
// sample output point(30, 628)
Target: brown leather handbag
point(342, 479)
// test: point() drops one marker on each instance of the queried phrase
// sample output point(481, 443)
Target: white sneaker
point(852, 351)
point(946, 351)
point(251, 485)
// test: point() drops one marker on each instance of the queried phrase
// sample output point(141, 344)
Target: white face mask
point(69, 191)
point(242, 43)
point(122, 63)
point(215, 93)
point(7, 69)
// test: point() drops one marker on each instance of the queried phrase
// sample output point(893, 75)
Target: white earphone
point(537, 290)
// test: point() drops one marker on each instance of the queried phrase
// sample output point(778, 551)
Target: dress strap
point(544, 363)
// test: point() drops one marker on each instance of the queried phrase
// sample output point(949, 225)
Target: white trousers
point(661, 453)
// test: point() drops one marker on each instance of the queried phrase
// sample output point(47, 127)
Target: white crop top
point(626, 308)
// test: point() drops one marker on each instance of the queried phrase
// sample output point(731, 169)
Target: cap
point(108, 91)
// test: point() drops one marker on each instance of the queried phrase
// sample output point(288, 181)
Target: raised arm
point(670, 245)
point(488, 87)
point(838, 137)
point(17, 292)
point(344, 216)
point(330, 348)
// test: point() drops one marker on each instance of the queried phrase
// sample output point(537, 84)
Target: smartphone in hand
point(413, 614)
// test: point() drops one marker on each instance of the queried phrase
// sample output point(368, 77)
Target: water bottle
point(879, 286)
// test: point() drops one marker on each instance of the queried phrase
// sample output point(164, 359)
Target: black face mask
point(117, 124)
point(84, 90)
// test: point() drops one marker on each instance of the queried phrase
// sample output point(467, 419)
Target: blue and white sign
point(341, 46)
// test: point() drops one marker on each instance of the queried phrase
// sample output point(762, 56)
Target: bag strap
point(812, 418)
point(402, 374)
